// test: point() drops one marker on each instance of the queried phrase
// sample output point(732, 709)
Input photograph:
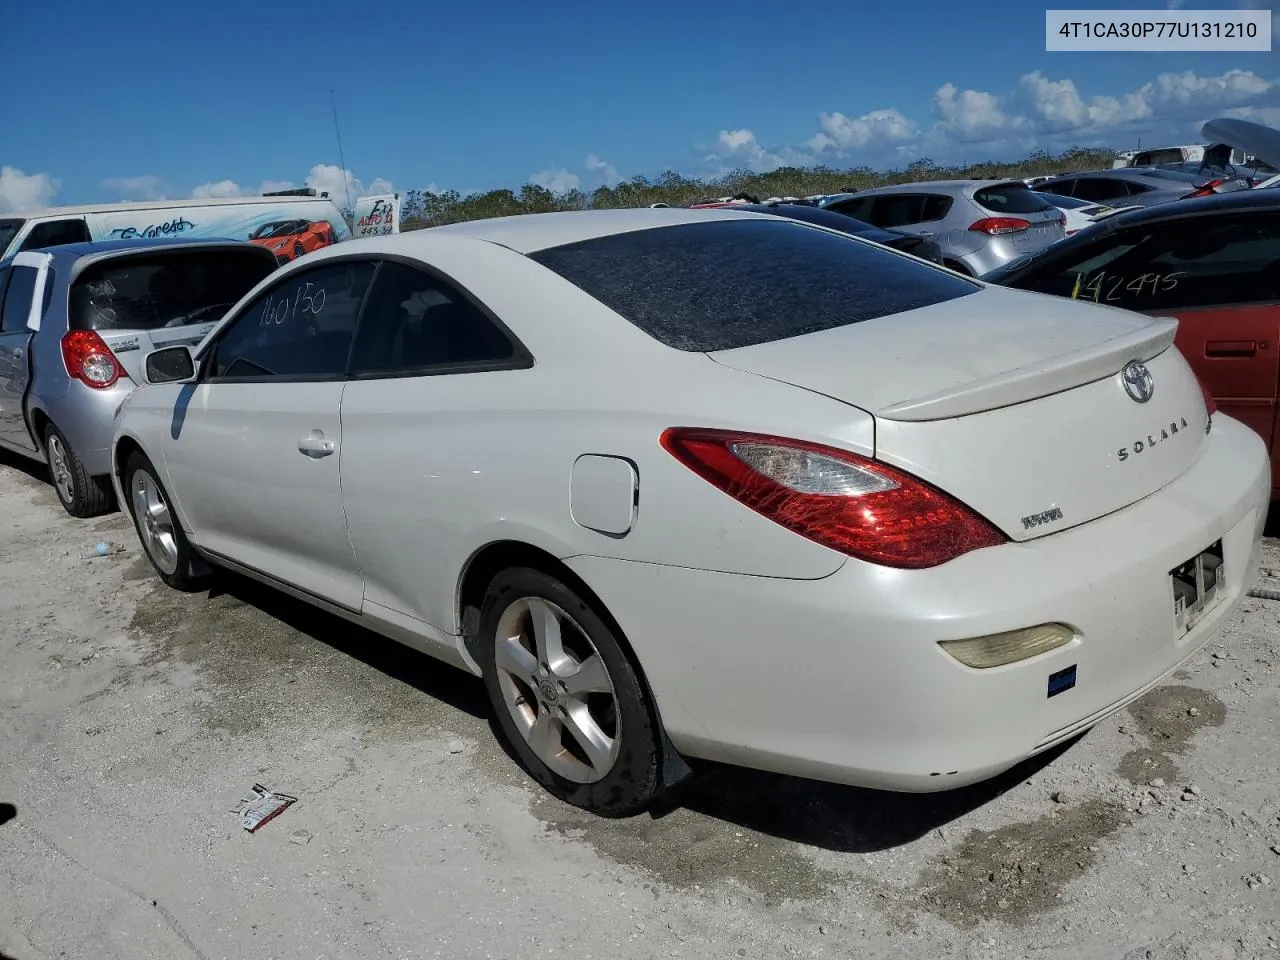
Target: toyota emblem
point(1137, 381)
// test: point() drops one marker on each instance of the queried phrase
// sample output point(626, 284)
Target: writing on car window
point(1111, 288)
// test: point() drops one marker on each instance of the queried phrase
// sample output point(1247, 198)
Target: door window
point(1196, 263)
point(301, 328)
point(55, 233)
point(17, 299)
point(417, 322)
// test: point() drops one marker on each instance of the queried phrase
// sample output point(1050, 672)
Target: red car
point(290, 239)
point(1214, 264)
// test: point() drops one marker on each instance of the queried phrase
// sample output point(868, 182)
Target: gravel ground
point(132, 718)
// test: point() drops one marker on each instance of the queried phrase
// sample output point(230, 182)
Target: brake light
point(88, 358)
point(857, 506)
point(999, 226)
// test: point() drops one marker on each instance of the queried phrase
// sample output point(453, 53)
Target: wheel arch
point(488, 561)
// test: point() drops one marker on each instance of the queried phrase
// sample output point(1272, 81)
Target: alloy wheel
point(557, 689)
point(155, 522)
point(60, 469)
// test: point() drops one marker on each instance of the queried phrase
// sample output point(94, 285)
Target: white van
point(289, 225)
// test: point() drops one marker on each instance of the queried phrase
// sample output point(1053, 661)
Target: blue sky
point(143, 99)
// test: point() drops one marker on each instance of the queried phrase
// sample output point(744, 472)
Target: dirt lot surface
point(132, 718)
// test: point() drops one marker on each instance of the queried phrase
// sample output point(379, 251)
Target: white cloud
point(20, 191)
point(323, 177)
point(740, 148)
point(147, 187)
point(557, 181)
point(1039, 112)
point(219, 188)
point(877, 128)
point(603, 169)
point(330, 178)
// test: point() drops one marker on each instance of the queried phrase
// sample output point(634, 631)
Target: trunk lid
point(1014, 403)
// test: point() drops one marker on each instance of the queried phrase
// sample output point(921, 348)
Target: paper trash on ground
point(260, 805)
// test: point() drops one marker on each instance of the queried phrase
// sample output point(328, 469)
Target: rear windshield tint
point(727, 284)
point(1010, 198)
point(155, 290)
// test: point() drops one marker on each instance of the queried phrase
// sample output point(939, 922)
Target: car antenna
point(346, 180)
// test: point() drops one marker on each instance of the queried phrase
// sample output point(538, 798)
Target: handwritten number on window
point(1109, 289)
point(310, 300)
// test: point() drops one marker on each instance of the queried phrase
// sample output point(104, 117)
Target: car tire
point(81, 494)
point(549, 708)
point(159, 531)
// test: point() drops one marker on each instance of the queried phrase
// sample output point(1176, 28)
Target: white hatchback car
point(716, 485)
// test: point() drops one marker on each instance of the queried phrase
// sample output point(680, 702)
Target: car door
point(24, 282)
point(254, 449)
point(424, 361)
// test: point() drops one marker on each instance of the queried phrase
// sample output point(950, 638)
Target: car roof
point(1122, 173)
point(940, 186)
point(807, 213)
point(94, 250)
point(531, 232)
point(83, 208)
point(1237, 202)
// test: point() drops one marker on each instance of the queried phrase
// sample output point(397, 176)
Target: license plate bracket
point(1197, 585)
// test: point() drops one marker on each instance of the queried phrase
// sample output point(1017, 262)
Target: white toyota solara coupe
point(705, 484)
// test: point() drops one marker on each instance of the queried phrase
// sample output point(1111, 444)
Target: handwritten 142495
point(1103, 288)
point(309, 300)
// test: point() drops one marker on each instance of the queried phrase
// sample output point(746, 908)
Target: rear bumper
point(842, 679)
point(86, 418)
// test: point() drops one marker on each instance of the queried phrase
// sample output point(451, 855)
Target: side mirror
point(170, 365)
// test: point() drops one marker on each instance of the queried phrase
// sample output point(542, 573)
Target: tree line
point(422, 208)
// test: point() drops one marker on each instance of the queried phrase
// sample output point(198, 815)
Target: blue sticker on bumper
point(1062, 681)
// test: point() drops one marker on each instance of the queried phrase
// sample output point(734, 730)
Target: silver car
point(978, 224)
point(75, 321)
point(1128, 187)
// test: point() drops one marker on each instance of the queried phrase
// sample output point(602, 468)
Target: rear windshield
point(8, 230)
point(154, 290)
point(1010, 198)
point(728, 284)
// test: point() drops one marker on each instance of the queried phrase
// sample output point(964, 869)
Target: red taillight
point(89, 359)
point(852, 504)
point(999, 226)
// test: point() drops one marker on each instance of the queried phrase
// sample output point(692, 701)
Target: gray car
point(978, 224)
point(75, 322)
point(1127, 187)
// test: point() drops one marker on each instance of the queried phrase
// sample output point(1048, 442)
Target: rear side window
point(858, 207)
point(1010, 198)
point(725, 284)
point(414, 321)
point(17, 299)
point(898, 209)
point(1196, 263)
point(151, 291)
point(56, 233)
